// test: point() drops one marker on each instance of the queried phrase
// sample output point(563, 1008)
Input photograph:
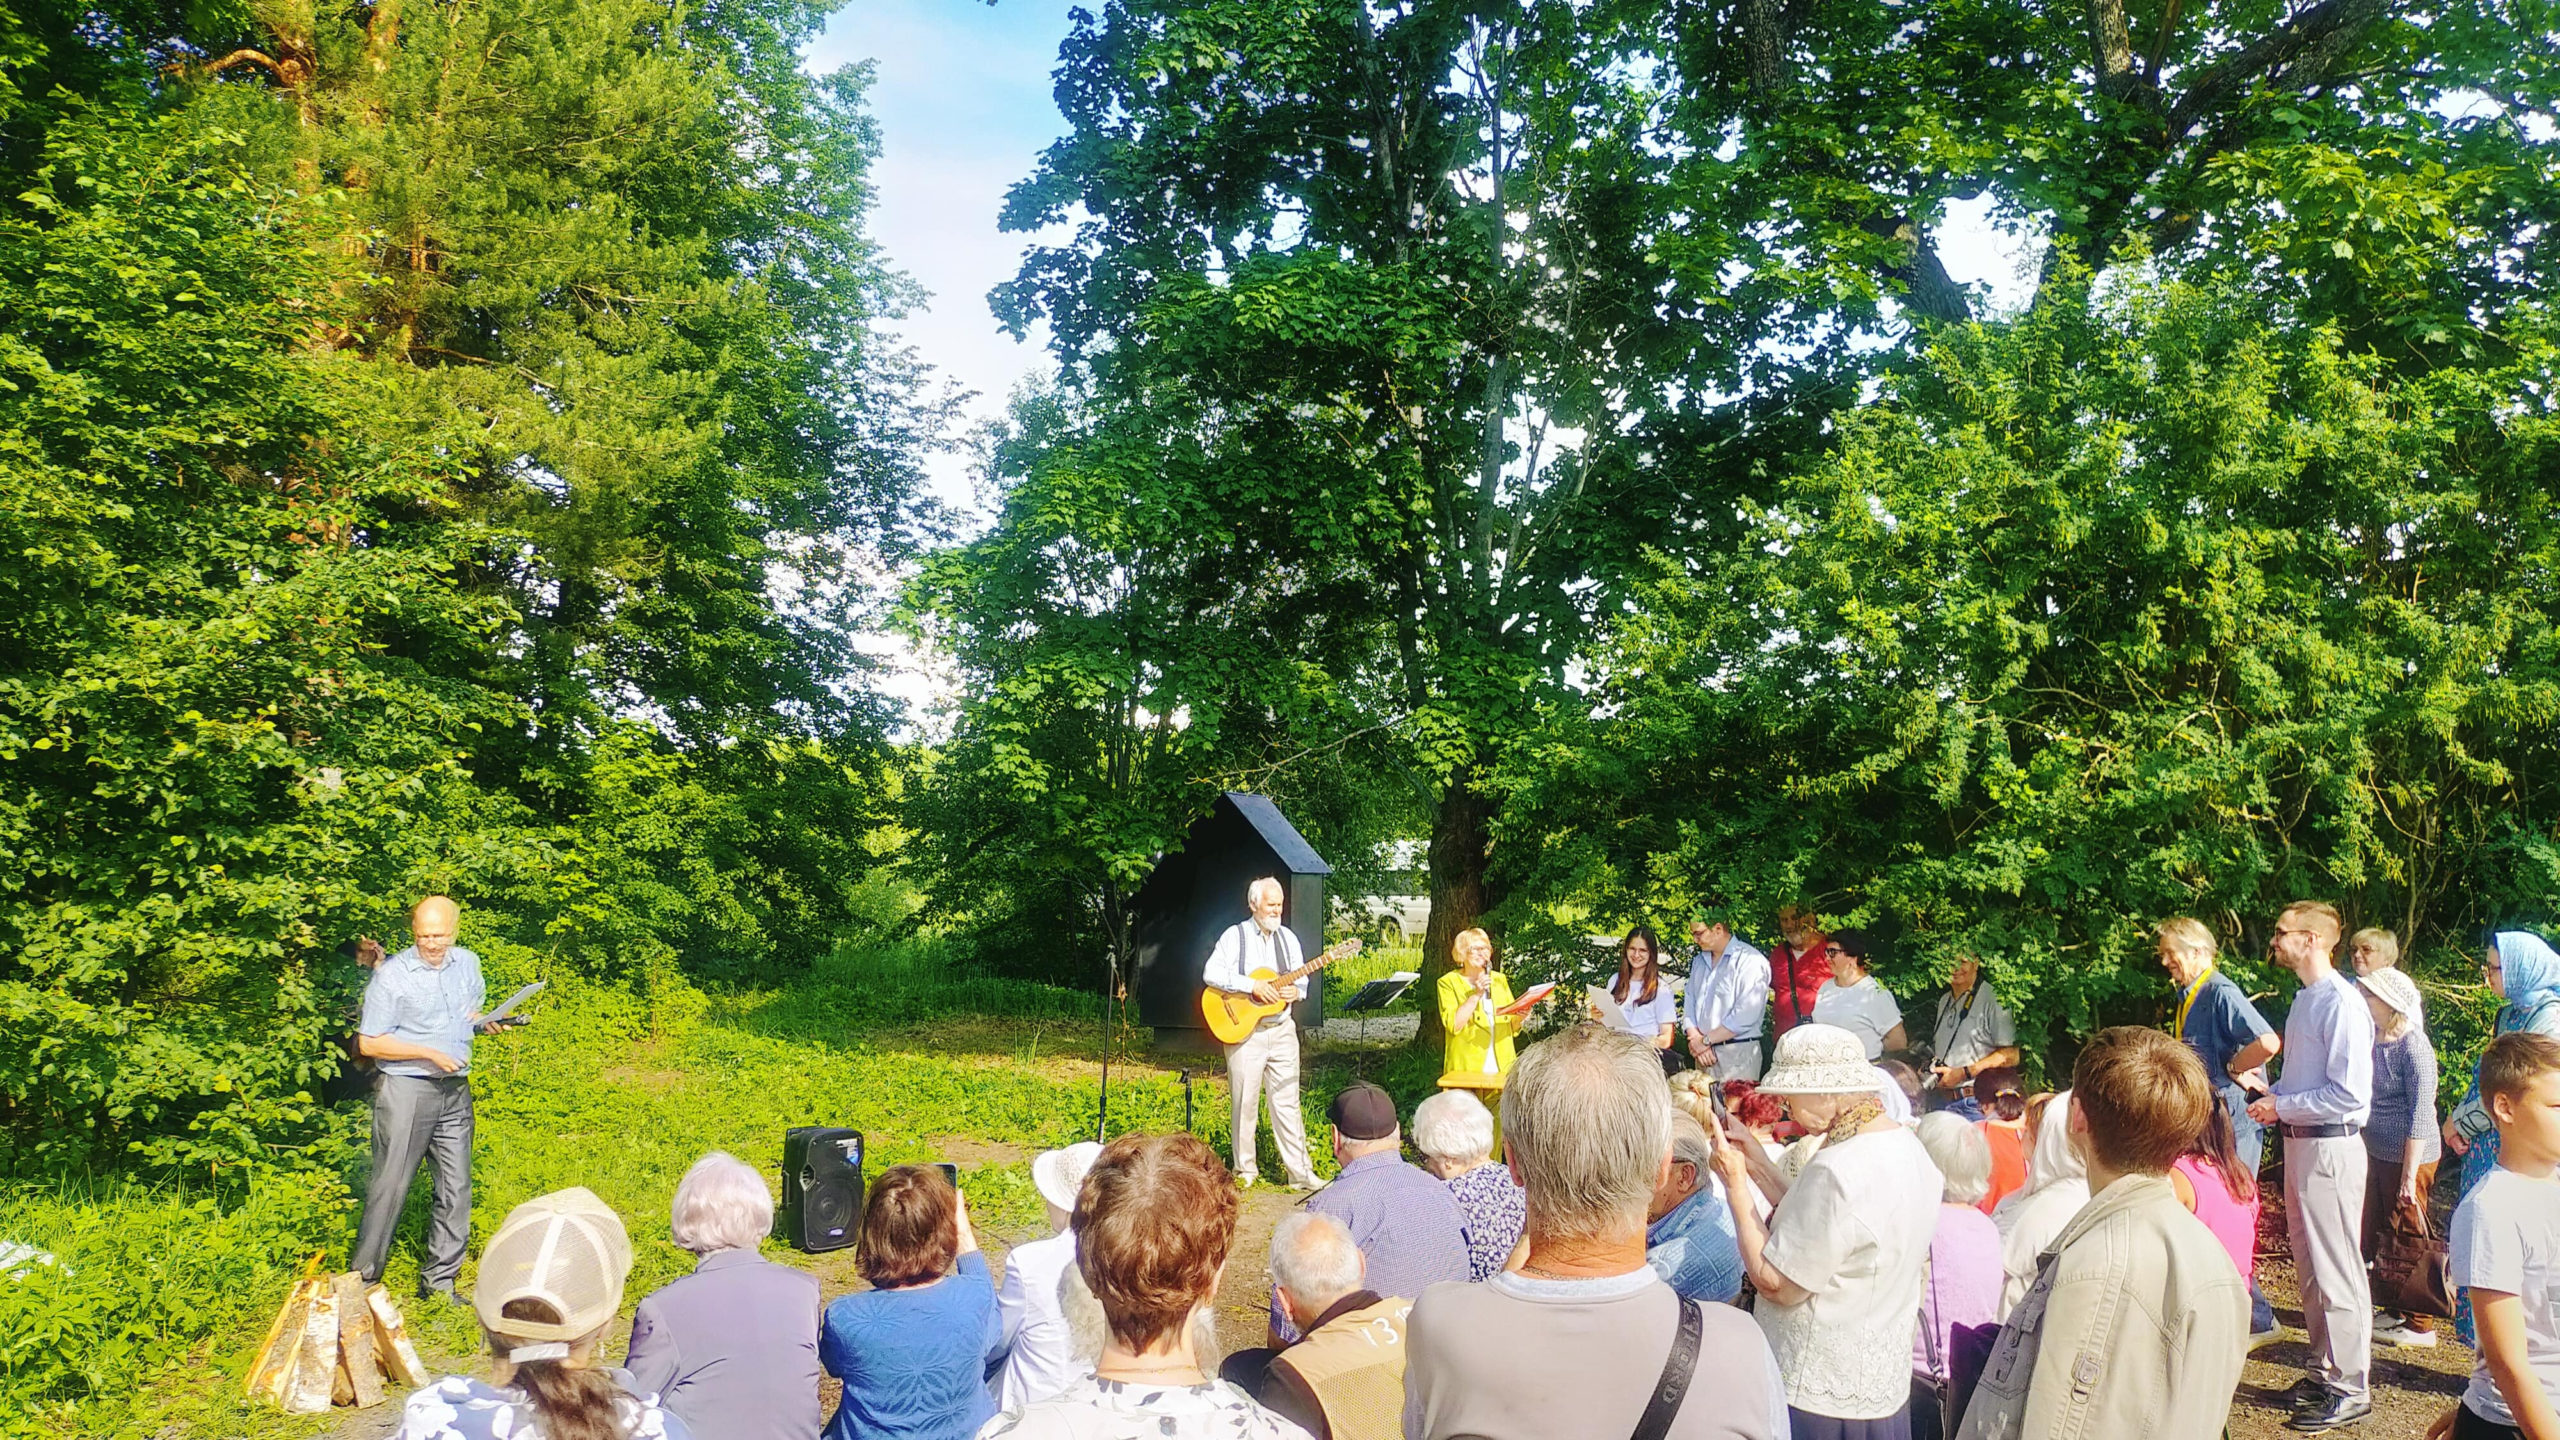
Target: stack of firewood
point(334, 1343)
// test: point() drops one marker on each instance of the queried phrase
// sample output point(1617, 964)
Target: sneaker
point(2396, 1331)
point(2261, 1339)
point(2305, 1393)
point(2335, 1411)
point(1308, 1186)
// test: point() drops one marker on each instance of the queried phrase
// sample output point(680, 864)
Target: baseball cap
point(1363, 1112)
point(566, 1249)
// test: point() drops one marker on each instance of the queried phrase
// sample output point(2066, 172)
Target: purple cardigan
point(732, 1349)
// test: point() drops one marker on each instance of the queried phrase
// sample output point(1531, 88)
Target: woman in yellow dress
point(1479, 1040)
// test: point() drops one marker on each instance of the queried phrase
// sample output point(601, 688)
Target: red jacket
point(1794, 981)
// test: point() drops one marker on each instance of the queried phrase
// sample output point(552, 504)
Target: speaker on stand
point(821, 1197)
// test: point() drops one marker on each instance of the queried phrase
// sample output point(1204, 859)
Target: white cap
point(1059, 1174)
point(566, 1249)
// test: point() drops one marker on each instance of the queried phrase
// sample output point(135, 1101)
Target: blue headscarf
point(2531, 971)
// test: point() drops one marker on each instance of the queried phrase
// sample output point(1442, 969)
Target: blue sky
point(962, 94)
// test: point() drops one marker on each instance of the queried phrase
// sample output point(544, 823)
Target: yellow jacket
point(1467, 1045)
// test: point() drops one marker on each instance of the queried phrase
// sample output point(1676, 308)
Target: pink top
point(2233, 1222)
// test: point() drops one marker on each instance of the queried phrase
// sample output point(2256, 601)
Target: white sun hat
point(1059, 1174)
point(1819, 1060)
point(2394, 989)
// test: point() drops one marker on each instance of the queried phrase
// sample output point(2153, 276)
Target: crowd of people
point(1797, 1242)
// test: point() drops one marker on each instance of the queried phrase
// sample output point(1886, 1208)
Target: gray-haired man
point(1268, 1058)
point(1582, 1336)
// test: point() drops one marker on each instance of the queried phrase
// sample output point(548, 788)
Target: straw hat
point(2393, 989)
point(566, 1249)
point(1819, 1060)
point(1059, 1174)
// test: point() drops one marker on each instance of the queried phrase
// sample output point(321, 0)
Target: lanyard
point(2188, 1002)
point(1962, 1011)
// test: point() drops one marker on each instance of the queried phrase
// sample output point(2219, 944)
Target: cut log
point(273, 1368)
point(391, 1342)
point(358, 1357)
point(315, 1362)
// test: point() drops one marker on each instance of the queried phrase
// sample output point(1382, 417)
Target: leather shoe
point(2304, 1394)
point(2341, 1410)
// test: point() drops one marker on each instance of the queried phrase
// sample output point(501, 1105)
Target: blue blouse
point(913, 1360)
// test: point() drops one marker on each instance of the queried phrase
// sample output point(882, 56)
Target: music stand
point(1378, 995)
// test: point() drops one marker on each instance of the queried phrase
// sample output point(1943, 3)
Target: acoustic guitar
point(1232, 1017)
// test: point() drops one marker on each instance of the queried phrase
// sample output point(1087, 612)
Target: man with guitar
point(1252, 974)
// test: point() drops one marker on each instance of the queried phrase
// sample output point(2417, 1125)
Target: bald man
point(420, 1011)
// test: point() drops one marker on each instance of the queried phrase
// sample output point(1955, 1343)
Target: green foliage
point(2149, 604)
point(431, 455)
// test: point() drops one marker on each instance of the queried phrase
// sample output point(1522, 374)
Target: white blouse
point(1853, 1230)
point(1865, 1009)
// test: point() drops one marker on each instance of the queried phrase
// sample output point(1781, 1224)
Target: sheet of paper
point(518, 998)
point(1610, 1014)
point(1528, 997)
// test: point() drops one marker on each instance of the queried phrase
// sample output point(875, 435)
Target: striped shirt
point(2404, 1099)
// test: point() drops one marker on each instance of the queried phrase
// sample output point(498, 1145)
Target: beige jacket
point(2135, 1325)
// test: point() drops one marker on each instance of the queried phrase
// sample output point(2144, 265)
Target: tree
point(2153, 603)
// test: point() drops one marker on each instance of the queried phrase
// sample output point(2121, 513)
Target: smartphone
point(949, 1171)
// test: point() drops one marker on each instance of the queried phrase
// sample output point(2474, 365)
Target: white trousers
point(2324, 1217)
point(1737, 1059)
point(1268, 1058)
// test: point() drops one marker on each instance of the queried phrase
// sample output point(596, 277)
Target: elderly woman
point(1153, 1224)
point(1454, 1132)
point(912, 1349)
point(2033, 1218)
point(2400, 1140)
point(1034, 1337)
point(1964, 1261)
point(2525, 973)
point(1840, 1266)
point(733, 1347)
point(550, 1282)
point(1853, 1000)
point(1472, 996)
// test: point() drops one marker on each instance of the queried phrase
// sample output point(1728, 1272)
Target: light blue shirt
point(1693, 1247)
point(2327, 1074)
point(1731, 990)
point(423, 1004)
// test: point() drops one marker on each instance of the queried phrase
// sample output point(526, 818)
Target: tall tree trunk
point(1461, 839)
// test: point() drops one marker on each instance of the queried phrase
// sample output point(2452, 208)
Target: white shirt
point(1731, 990)
point(1245, 947)
point(2506, 1237)
point(1093, 1409)
point(1864, 1009)
point(1645, 1018)
point(1854, 1230)
point(1040, 1361)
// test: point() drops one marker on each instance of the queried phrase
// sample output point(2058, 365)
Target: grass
point(147, 1323)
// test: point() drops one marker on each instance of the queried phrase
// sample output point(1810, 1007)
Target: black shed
point(1197, 891)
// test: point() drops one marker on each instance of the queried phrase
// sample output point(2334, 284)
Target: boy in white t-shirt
point(2506, 1251)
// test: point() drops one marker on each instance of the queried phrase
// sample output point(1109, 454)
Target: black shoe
point(439, 1292)
point(2341, 1410)
point(2304, 1394)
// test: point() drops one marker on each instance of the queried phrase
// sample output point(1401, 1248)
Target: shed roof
point(1296, 855)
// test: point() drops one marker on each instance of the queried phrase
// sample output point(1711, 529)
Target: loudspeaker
point(821, 1188)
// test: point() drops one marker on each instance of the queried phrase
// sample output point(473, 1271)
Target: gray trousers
point(2324, 1217)
point(415, 1118)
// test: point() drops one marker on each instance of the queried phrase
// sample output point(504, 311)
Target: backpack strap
point(1673, 1387)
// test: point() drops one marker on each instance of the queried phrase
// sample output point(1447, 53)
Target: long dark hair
point(568, 1404)
point(1652, 966)
point(2220, 1148)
